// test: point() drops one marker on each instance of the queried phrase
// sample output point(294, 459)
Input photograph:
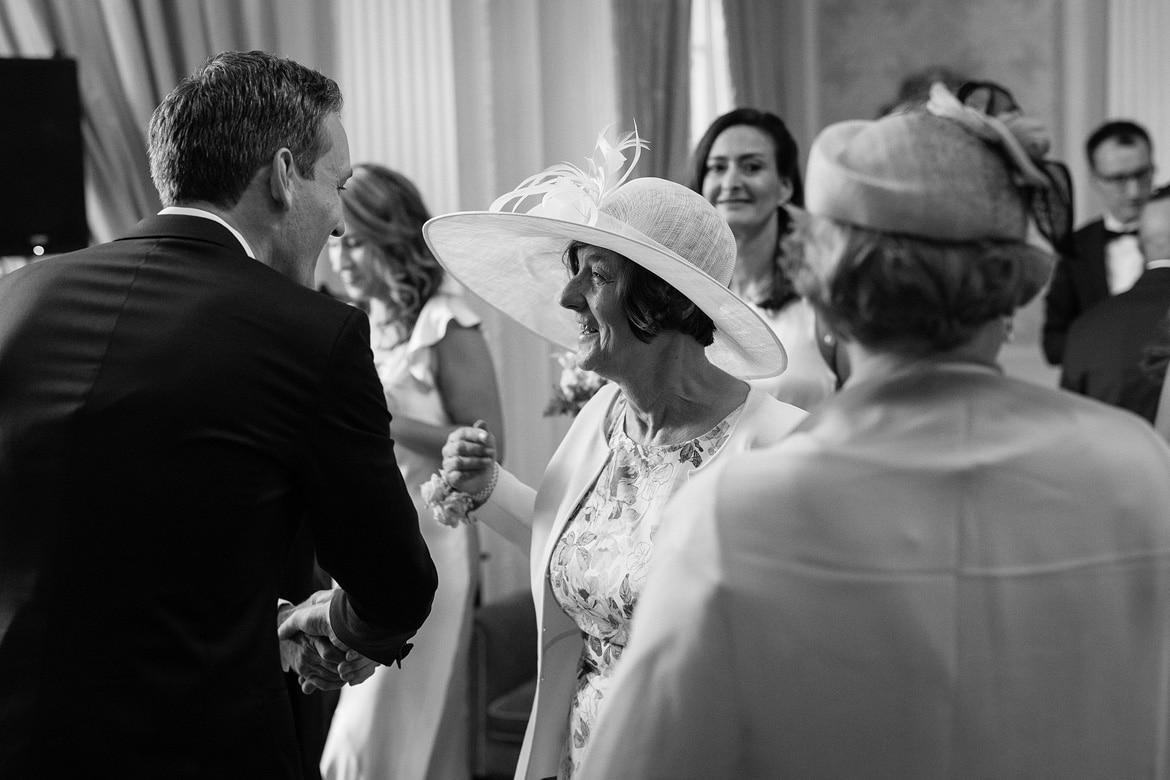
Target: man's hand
point(309, 647)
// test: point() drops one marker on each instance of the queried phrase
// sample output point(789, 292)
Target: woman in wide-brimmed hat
point(634, 276)
point(945, 572)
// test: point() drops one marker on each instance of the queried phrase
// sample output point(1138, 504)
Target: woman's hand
point(468, 458)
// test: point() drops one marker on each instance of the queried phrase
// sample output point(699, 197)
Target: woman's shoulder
point(447, 305)
point(768, 418)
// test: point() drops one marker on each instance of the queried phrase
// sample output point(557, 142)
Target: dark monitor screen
point(42, 182)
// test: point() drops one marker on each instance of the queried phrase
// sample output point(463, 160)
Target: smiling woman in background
point(746, 166)
point(437, 375)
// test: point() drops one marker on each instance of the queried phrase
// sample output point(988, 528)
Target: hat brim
point(514, 262)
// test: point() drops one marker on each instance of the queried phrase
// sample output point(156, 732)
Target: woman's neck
point(981, 350)
point(755, 251)
point(677, 394)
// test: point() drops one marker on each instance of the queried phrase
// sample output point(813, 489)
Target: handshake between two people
point(309, 647)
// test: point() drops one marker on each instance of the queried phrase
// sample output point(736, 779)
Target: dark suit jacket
point(170, 412)
point(1107, 346)
point(1079, 280)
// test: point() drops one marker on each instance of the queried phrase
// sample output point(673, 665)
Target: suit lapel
point(1095, 263)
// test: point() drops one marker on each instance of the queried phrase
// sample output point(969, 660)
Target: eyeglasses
point(1140, 176)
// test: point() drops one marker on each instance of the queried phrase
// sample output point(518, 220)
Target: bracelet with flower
point(450, 506)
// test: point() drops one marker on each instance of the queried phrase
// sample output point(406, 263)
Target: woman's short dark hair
point(910, 295)
point(650, 304)
point(787, 152)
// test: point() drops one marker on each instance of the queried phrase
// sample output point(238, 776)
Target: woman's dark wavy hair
point(650, 304)
point(909, 295)
point(787, 152)
point(787, 166)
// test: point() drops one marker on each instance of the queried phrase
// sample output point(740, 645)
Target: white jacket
point(534, 519)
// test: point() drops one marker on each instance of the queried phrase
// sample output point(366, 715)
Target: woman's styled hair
point(385, 209)
point(787, 166)
point(651, 305)
point(225, 121)
point(909, 295)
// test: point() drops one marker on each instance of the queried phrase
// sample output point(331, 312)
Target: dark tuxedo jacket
point(1107, 346)
point(171, 412)
point(1079, 281)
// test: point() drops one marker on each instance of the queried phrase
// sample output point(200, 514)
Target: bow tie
point(1110, 235)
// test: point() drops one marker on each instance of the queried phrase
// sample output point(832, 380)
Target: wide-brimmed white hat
point(514, 260)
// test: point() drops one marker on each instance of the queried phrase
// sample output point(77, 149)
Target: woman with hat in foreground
point(945, 572)
point(634, 276)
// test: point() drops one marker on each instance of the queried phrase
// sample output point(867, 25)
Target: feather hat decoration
point(574, 194)
point(513, 255)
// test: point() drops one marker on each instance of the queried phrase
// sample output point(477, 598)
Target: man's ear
point(280, 177)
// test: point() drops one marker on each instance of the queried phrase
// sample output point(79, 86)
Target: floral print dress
point(602, 558)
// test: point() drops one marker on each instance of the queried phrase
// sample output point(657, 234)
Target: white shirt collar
point(1117, 226)
point(187, 211)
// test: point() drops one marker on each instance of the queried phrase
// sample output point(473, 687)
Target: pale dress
point(808, 380)
point(602, 558)
point(412, 723)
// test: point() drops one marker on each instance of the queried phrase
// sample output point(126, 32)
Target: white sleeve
point(509, 510)
point(672, 708)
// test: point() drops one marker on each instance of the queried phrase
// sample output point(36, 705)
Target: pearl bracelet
point(480, 498)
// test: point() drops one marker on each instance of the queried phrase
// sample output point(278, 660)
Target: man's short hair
point(1122, 131)
point(225, 121)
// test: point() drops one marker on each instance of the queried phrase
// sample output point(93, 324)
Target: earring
point(1009, 332)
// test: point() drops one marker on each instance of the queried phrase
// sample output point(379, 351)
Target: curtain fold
point(129, 54)
point(769, 60)
point(653, 75)
point(1139, 64)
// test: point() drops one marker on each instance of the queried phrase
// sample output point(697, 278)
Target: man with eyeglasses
point(1106, 258)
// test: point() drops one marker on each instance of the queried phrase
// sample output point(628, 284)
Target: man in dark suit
point(174, 406)
point(1106, 258)
point(1109, 346)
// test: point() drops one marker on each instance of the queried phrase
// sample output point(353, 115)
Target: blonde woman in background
point(437, 375)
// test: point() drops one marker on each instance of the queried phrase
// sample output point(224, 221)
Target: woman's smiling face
point(606, 344)
point(742, 180)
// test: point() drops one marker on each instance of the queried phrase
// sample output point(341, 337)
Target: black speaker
point(42, 183)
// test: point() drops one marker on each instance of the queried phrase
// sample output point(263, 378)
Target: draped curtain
point(653, 64)
point(130, 53)
point(769, 61)
point(468, 97)
point(1139, 68)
